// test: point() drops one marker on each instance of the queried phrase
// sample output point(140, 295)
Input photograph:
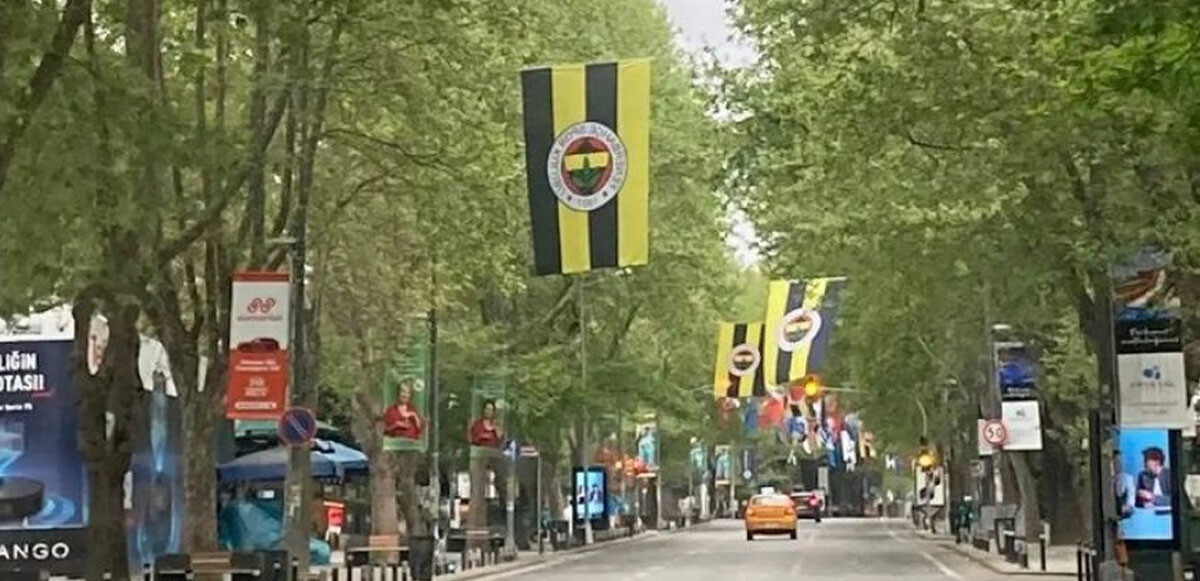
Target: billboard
point(43, 480)
point(591, 496)
point(931, 486)
point(405, 395)
point(1145, 491)
point(259, 327)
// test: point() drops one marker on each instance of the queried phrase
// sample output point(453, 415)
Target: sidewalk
point(1060, 560)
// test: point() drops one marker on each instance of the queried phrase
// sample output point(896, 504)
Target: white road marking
point(941, 566)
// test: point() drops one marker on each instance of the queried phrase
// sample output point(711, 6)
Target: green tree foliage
point(168, 145)
point(967, 163)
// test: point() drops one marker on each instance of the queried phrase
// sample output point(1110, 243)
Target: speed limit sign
point(995, 433)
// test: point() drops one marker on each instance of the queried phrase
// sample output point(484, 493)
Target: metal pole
point(583, 443)
point(924, 417)
point(540, 532)
point(510, 501)
point(299, 475)
point(435, 469)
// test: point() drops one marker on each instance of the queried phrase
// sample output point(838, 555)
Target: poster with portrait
point(1144, 486)
point(405, 419)
point(489, 405)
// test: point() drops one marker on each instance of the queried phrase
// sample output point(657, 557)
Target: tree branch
point(213, 214)
point(48, 70)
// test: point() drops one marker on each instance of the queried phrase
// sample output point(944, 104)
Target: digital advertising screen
point(591, 497)
point(1144, 485)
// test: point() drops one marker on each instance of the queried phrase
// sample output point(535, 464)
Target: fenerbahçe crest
point(587, 166)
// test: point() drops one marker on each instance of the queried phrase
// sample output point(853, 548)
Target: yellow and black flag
point(737, 370)
point(801, 315)
point(587, 160)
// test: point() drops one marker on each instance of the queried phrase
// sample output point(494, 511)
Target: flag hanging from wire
point(587, 161)
point(738, 365)
point(801, 315)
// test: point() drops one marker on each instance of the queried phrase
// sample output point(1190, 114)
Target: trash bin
point(420, 557)
point(273, 565)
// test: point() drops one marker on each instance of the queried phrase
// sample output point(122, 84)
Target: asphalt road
point(841, 549)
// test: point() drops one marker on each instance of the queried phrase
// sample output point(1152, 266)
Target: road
point(836, 549)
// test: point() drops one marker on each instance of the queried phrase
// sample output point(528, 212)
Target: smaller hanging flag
point(801, 315)
point(737, 369)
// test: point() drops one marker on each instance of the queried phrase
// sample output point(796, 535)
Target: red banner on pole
point(259, 328)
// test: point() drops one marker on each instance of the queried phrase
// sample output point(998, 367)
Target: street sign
point(995, 433)
point(297, 426)
point(529, 452)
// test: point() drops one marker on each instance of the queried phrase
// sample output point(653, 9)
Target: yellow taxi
point(770, 514)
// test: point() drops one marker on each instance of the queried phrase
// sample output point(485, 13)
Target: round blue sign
point(297, 426)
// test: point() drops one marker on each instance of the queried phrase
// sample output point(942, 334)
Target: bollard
point(1042, 548)
point(334, 573)
point(295, 568)
point(147, 571)
point(1078, 563)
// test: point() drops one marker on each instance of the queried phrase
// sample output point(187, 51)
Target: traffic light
point(926, 459)
point(813, 387)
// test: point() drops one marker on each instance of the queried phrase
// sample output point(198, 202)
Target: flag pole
point(583, 368)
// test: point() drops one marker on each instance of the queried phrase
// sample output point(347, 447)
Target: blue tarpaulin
point(257, 525)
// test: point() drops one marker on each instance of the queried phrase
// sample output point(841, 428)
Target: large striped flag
point(587, 160)
point(738, 366)
point(801, 315)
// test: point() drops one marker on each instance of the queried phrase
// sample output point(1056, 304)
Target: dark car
point(809, 504)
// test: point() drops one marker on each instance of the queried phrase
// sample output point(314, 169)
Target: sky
point(700, 24)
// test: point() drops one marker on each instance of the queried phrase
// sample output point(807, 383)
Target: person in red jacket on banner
point(401, 419)
point(485, 431)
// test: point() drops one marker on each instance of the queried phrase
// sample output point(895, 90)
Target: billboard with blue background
point(43, 481)
point(1143, 485)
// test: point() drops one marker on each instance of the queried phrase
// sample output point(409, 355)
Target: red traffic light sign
point(995, 433)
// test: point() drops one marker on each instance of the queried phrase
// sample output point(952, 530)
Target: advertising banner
point(723, 465)
point(1149, 335)
point(699, 458)
point(591, 497)
point(1153, 390)
point(405, 419)
point(259, 328)
point(1145, 491)
point(647, 447)
point(931, 487)
point(1024, 422)
point(488, 408)
point(1016, 372)
point(43, 481)
point(155, 492)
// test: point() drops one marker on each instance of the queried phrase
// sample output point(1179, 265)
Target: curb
point(989, 565)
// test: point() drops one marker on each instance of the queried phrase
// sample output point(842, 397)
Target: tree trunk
point(407, 465)
point(202, 412)
point(111, 408)
point(1028, 489)
point(384, 519)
